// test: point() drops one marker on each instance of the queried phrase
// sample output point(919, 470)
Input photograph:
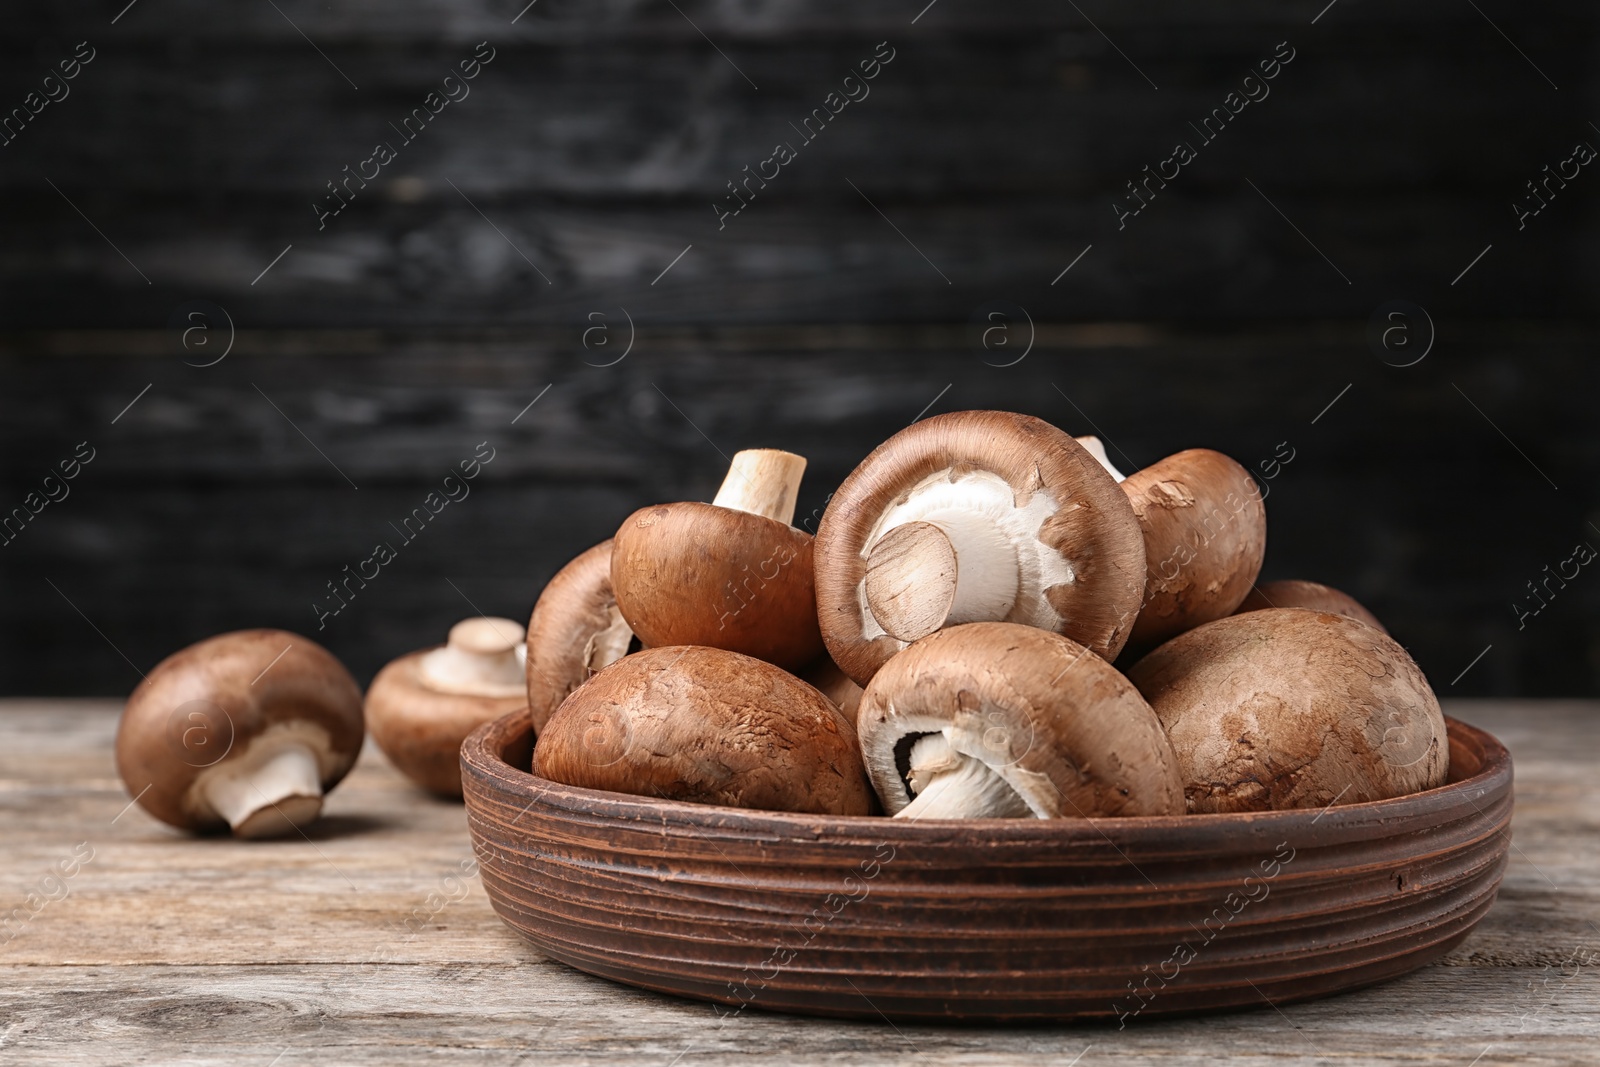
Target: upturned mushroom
point(707, 726)
point(423, 705)
point(996, 719)
point(248, 730)
point(731, 574)
point(576, 629)
point(1292, 708)
point(976, 516)
point(1293, 593)
point(1205, 535)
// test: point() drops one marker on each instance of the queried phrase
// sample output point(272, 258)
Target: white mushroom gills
point(958, 550)
point(954, 785)
point(482, 657)
point(606, 646)
point(763, 481)
point(274, 786)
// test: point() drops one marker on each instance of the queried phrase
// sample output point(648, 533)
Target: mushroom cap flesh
point(1294, 593)
point(708, 726)
point(1060, 726)
point(203, 710)
point(575, 629)
point(1205, 535)
point(976, 516)
point(700, 574)
point(1292, 708)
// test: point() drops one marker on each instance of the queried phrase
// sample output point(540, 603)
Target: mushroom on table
point(1293, 708)
point(1002, 720)
point(731, 574)
point(247, 730)
point(976, 516)
point(708, 726)
point(423, 705)
point(576, 628)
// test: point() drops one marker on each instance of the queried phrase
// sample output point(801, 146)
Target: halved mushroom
point(576, 629)
point(999, 719)
point(976, 516)
point(1205, 535)
point(248, 729)
point(732, 574)
point(1292, 593)
point(422, 706)
point(1292, 708)
point(708, 726)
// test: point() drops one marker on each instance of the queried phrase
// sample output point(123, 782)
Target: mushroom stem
point(952, 567)
point(483, 657)
point(1096, 448)
point(763, 481)
point(271, 789)
point(954, 785)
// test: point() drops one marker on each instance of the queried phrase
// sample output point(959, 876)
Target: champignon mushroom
point(576, 628)
point(708, 726)
point(247, 729)
point(423, 705)
point(1096, 448)
point(1292, 708)
point(1292, 593)
point(976, 516)
point(1205, 535)
point(999, 719)
point(732, 574)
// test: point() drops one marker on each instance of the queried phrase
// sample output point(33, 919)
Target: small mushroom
point(1292, 708)
point(1291, 593)
point(1205, 535)
point(997, 719)
point(976, 516)
point(708, 726)
point(423, 705)
point(576, 629)
point(247, 729)
point(731, 574)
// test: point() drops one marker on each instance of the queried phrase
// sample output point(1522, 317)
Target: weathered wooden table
point(367, 942)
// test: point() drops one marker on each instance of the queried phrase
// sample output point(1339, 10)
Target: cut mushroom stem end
point(274, 788)
point(482, 657)
point(925, 575)
point(763, 481)
point(953, 785)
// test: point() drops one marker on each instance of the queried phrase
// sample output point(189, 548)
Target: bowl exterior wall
point(990, 920)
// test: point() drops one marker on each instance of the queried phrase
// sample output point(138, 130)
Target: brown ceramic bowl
point(994, 919)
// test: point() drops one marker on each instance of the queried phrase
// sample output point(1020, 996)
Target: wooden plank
point(160, 936)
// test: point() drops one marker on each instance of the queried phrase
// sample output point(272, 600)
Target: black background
point(835, 309)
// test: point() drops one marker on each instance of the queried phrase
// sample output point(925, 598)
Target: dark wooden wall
point(588, 155)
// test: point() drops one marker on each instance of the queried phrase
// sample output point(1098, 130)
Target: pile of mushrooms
point(1012, 629)
point(992, 621)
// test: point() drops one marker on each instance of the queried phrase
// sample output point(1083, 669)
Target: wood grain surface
point(329, 950)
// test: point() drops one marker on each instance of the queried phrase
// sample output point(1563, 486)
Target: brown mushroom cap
point(1291, 708)
point(731, 574)
point(976, 516)
point(422, 706)
point(1205, 535)
point(576, 629)
point(250, 728)
point(1034, 724)
point(1292, 593)
point(708, 726)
